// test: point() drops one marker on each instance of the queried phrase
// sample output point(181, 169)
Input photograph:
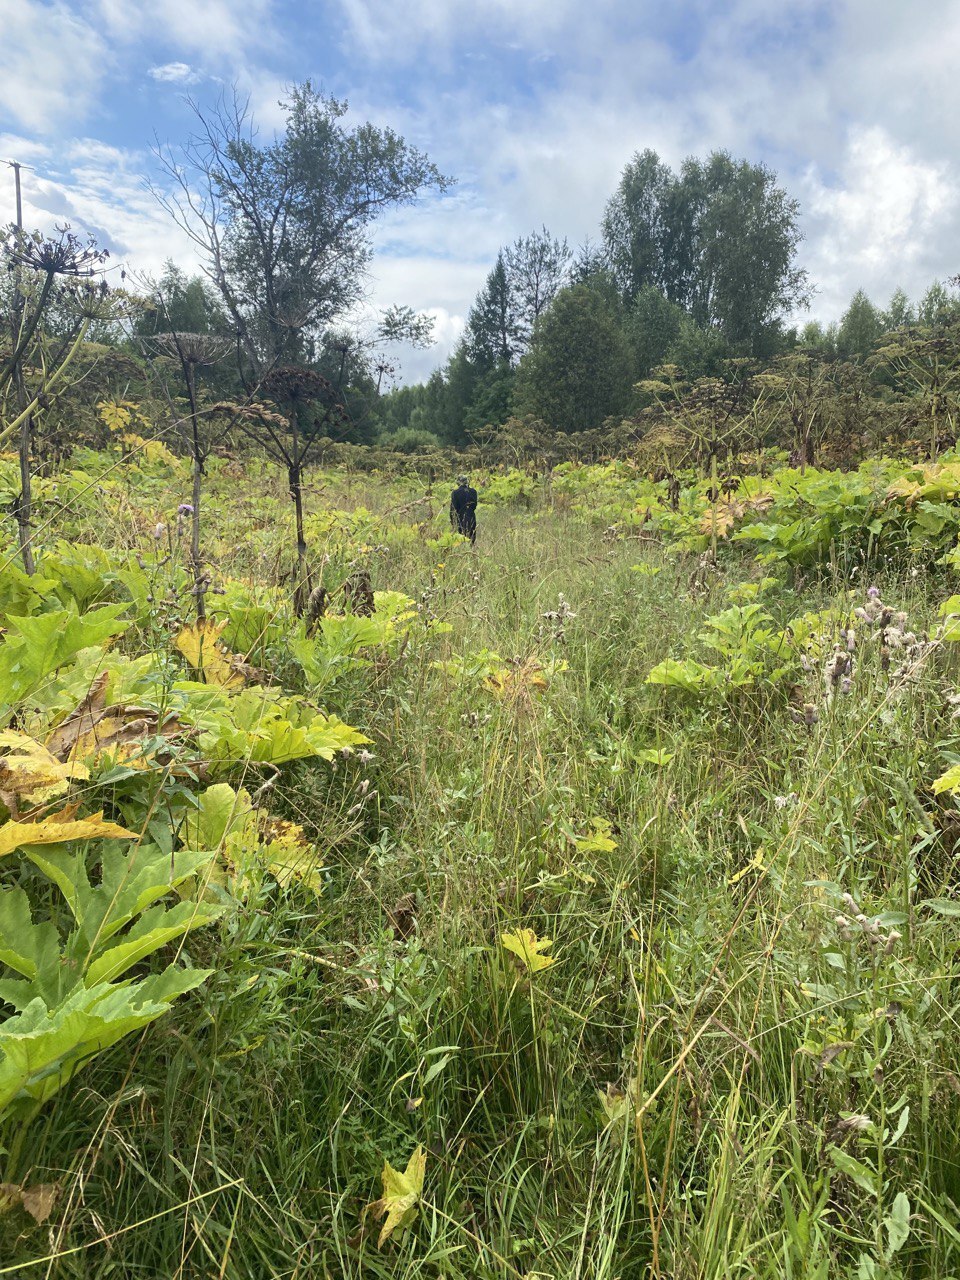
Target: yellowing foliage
point(116, 415)
point(599, 840)
point(93, 730)
point(150, 450)
point(723, 517)
point(528, 948)
point(939, 481)
point(200, 644)
point(527, 677)
point(58, 828)
point(28, 771)
point(401, 1195)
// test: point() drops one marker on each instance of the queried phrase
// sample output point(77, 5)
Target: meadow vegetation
point(578, 904)
point(581, 904)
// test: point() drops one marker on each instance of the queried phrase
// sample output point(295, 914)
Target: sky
point(534, 107)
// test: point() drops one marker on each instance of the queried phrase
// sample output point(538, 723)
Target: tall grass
point(756, 1057)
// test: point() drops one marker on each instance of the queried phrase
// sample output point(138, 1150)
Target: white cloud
point(174, 73)
point(884, 220)
point(384, 28)
point(216, 31)
point(99, 189)
point(51, 64)
point(536, 106)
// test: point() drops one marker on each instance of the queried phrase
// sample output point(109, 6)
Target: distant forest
point(688, 295)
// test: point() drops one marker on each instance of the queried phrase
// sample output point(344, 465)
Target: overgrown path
point(644, 978)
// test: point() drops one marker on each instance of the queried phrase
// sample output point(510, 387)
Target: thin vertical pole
point(15, 166)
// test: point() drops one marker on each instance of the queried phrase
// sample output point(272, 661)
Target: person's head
point(463, 479)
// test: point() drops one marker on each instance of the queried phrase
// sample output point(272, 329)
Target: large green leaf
point(130, 883)
point(42, 1048)
point(255, 726)
point(154, 929)
point(35, 647)
point(220, 811)
point(27, 947)
point(687, 675)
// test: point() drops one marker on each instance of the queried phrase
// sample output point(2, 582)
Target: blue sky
point(534, 106)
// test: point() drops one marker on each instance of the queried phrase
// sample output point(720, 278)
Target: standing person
point(463, 509)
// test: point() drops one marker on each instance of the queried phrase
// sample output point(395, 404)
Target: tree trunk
point(25, 504)
point(295, 475)
point(300, 572)
point(196, 562)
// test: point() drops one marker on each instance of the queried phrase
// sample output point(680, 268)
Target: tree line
point(694, 272)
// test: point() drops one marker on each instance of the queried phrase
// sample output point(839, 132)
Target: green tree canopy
point(283, 226)
point(860, 327)
point(719, 239)
point(493, 333)
point(652, 327)
point(579, 368)
point(179, 303)
point(537, 266)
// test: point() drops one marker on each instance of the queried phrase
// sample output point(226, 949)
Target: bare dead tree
point(39, 262)
point(194, 351)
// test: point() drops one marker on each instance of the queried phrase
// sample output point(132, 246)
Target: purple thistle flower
point(873, 593)
point(185, 509)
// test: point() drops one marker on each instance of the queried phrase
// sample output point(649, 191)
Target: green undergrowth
point(728, 1045)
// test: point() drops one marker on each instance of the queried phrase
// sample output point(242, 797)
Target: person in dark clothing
point(463, 509)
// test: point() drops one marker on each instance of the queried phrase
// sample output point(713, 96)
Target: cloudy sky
point(534, 106)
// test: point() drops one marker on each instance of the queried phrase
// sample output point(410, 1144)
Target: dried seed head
point(853, 1124)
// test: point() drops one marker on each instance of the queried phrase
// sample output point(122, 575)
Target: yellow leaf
point(200, 645)
point(58, 829)
point(401, 1195)
point(29, 772)
point(116, 415)
point(949, 781)
point(600, 841)
point(149, 450)
point(756, 863)
point(517, 680)
point(530, 949)
point(289, 855)
point(724, 515)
